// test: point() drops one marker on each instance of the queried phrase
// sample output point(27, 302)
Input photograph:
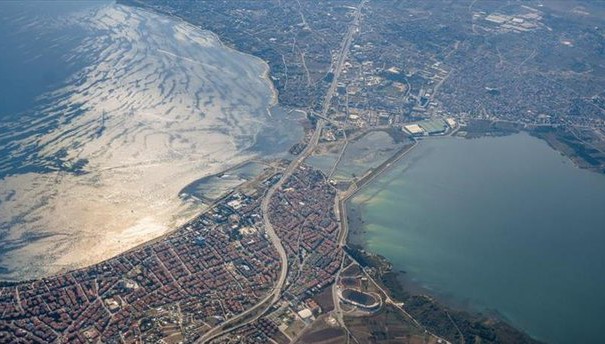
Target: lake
point(503, 225)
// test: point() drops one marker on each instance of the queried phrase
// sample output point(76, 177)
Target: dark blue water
point(34, 47)
point(107, 109)
point(37, 51)
point(37, 57)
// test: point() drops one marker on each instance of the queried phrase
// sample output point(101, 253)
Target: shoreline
point(265, 75)
point(7, 282)
point(399, 285)
point(356, 239)
point(553, 135)
point(271, 103)
point(349, 231)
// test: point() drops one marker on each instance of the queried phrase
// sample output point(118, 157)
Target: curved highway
point(260, 308)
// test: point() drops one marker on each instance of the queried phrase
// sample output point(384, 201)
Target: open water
point(503, 225)
point(106, 113)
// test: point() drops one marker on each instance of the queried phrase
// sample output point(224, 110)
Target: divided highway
point(259, 309)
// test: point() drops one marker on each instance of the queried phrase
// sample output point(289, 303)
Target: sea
point(106, 113)
point(505, 226)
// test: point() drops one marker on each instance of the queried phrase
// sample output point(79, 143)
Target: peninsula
point(270, 260)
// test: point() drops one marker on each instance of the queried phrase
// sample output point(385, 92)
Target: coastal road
point(260, 308)
point(306, 153)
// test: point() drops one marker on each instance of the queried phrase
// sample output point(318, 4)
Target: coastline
point(559, 138)
point(357, 240)
point(445, 312)
point(122, 246)
point(401, 287)
point(265, 75)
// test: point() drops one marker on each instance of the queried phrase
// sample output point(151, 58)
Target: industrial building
point(427, 127)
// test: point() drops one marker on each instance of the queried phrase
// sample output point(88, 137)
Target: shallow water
point(365, 153)
point(107, 113)
point(497, 224)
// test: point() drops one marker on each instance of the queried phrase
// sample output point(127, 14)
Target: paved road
point(256, 311)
